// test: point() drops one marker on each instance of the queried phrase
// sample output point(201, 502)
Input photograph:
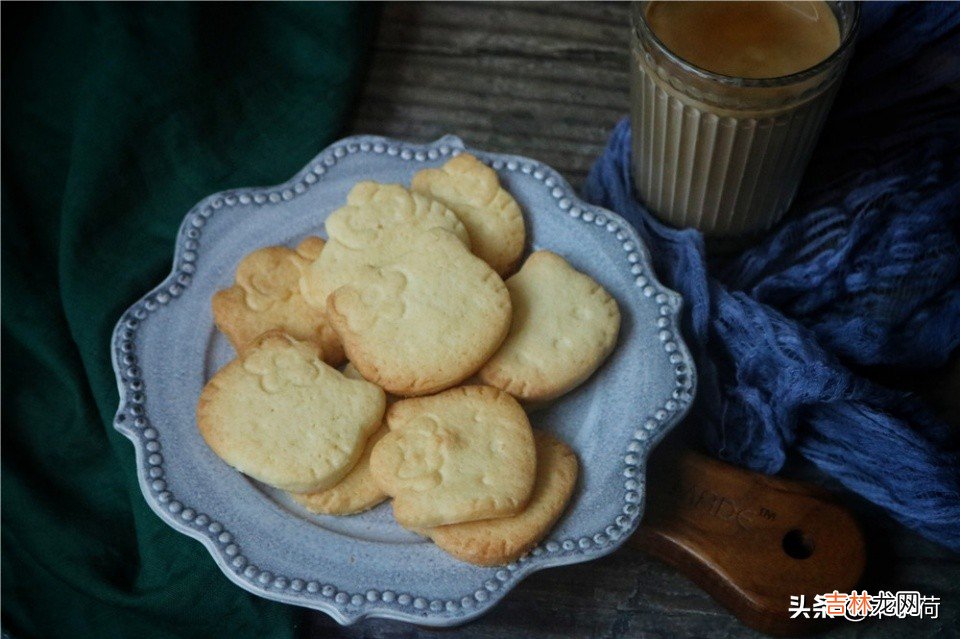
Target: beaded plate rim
point(344, 607)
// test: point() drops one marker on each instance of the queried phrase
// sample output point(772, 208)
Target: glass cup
point(724, 154)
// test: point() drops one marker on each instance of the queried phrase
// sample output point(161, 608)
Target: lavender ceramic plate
point(165, 347)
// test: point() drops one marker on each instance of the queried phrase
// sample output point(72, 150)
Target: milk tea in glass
point(727, 102)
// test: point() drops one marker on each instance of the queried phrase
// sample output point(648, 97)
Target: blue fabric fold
point(863, 275)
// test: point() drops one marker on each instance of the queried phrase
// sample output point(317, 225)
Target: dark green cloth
point(116, 120)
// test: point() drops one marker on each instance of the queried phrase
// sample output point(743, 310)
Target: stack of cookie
point(443, 357)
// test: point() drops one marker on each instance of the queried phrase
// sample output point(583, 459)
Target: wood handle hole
point(797, 544)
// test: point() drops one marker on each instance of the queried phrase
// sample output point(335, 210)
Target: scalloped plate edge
point(348, 613)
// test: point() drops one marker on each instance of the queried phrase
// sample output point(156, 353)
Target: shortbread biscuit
point(338, 264)
point(354, 493)
point(494, 542)
point(564, 326)
point(371, 209)
point(279, 414)
point(357, 491)
point(463, 455)
point(266, 296)
point(425, 317)
point(350, 372)
point(472, 190)
point(310, 247)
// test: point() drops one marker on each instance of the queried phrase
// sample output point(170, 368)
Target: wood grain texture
point(750, 540)
point(544, 80)
point(549, 80)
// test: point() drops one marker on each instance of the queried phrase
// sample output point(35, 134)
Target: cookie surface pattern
point(425, 317)
point(371, 209)
point(564, 326)
point(266, 295)
point(462, 455)
point(279, 414)
point(494, 542)
point(493, 218)
point(354, 493)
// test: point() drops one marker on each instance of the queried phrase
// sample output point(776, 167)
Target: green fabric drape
point(117, 119)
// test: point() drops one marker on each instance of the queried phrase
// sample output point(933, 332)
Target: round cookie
point(494, 542)
point(463, 455)
point(279, 414)
point(354, 493)
point(564, 326)
point(426, 317)
point(266, 295)
point(472, 190)
point(371, 209)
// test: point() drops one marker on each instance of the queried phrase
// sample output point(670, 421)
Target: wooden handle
point(749, 540)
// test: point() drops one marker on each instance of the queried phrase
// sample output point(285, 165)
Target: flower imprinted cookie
point(493, 542)
point(564, 326)
point(418, 313)
point(472, 190)
point(266, 295)
point(281, 415)
point(371, 209)
point(462, 455)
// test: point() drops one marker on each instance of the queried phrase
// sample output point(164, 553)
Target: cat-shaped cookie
point(357, 491)
point(371, 209)
point(419, 313)
point(279, 414)
point(493, 218)
point(494, 542)
point(266, 295)
point(564, 326)
point(462, 455)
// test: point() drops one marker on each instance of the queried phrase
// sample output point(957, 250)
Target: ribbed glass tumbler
point(724, 154)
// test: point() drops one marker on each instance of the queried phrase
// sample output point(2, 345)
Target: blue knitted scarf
point(861, 279)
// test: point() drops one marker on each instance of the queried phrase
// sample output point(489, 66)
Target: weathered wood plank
point(443, 88)
point(470, 29)
point(547, 81)
point(592, 27)
point(565, 138)
point(572, 165)
point(424, 68)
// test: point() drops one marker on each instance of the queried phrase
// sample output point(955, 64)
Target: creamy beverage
point(747, 39)
point(727, 101)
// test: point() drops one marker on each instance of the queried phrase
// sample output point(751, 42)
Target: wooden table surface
point(549, 81)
